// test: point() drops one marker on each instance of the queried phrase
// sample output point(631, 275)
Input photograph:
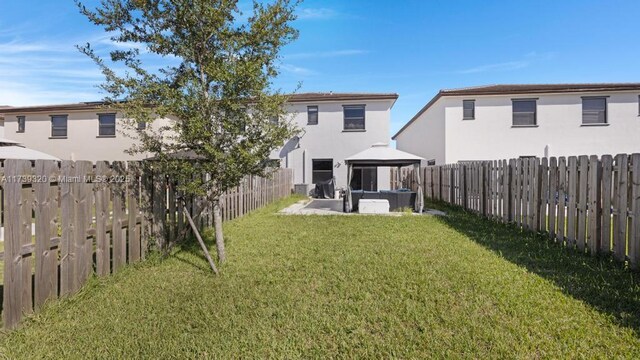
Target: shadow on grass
point(597, 281)
point(190, 248)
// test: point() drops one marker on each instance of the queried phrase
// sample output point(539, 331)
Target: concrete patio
point(334, 207)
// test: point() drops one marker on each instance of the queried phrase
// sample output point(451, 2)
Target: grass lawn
point(350, 286)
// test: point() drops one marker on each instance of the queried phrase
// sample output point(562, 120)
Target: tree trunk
point(217, 223)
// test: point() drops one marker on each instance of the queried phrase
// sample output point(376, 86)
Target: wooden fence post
point(103, 197)
point(13, 261)
point(634, 233)
point(553, 196)
point(573, 195)
point(607, 215)
point(583, 175)
point(562, 199)
point(620, 207)
point(594, 234)
point(46, 209)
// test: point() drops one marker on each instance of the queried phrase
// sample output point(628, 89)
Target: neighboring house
point(335, 126)
point(82, 131)
point(509, 121)
point(2, 107)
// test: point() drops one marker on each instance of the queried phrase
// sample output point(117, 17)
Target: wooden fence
point(63, 221)
point(589, 203)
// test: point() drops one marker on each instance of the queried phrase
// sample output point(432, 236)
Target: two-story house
point(509, 121)
point(335, 126)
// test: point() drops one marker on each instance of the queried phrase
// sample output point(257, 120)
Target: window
point(594, 110)
point(353, 117)
point(365, 178)
point(322, 170)
point(431, 162)
point(21, 121)
point(106, 124)
point(312, 115)
point(524, 112)
point(142, 125)
point(468, 109)
point(58, 125)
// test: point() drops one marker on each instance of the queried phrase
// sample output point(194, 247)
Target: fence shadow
point(598, 281)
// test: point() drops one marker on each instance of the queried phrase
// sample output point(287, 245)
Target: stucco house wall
point(329, 140)
point(426, 136)
point(559, 127)
point(82, 141)
point(559, 130)
point(326, 140)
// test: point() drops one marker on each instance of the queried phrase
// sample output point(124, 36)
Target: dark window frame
point(535, 112)
point(473, 109)
point(313, 109)
point(314, 176)
point(21, 123)
point(605, 110)
point(55, 128)
point(102, 127)
point(345, 118)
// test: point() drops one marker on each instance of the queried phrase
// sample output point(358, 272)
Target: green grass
point(350, 286)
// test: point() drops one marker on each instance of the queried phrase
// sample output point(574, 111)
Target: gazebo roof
point(380, 154)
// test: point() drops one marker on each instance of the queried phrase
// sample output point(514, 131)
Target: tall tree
point(218, 88)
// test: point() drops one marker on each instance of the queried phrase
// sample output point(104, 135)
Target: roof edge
point(519, 89)
point(417, 115)
point(294, 98)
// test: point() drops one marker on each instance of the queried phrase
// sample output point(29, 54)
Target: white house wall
point(425, 137)
point(328, 140)
point(559, 126)
point(82, 141)
point(322, 141)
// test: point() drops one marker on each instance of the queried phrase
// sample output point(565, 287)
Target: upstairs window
point(59, 126)
point(354, 117)
point(312, 115)
point(468, 109)
point(524, 112)
point(594, 110)
point(21, 123)
point(106, 124)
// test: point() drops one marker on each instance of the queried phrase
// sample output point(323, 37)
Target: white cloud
point(297, 70)
point(25, 94)
point(16, 47)
point(316, 13)
point(527, 61)
point(504, 66)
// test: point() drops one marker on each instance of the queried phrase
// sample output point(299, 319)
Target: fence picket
point(573, 201)
point(553, 196)
point(594, 233)
point(583, 165)
point(634, 228)
point(620, 207)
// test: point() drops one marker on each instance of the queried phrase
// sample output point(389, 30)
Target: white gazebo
point(381, 154)
point(10, 149)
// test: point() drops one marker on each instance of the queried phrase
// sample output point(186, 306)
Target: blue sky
point(413, 48)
